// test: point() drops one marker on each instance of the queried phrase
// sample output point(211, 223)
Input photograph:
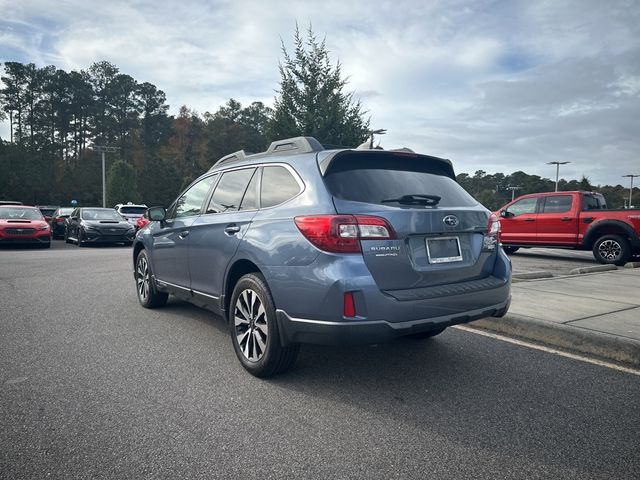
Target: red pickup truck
point(578, 220)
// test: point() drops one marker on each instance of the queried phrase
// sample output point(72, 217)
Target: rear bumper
point(299, 330)
point(310, 305)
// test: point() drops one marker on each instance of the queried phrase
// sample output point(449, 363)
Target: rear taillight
point(493, 227)
point(342, 233)
point(492, 237)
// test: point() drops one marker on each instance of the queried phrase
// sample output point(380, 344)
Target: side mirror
point(157, 214)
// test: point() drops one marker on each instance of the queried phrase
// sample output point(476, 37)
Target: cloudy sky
point(493, 85)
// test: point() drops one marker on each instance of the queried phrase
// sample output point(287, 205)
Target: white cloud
point(501, 86)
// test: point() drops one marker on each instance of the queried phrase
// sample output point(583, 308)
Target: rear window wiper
point(415, 199)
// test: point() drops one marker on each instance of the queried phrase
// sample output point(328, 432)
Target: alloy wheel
point(142, 278)
point(610, 249)
point(251, 328)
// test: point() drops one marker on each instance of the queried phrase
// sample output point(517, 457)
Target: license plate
point(444, 250)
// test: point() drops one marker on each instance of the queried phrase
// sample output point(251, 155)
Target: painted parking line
point(553, 351)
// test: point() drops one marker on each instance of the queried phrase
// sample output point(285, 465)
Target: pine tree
point(311, 100)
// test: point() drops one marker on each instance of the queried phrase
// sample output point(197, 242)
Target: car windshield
point(133, 210)
point(17, 213)
point(101, 214)
point(65, 212)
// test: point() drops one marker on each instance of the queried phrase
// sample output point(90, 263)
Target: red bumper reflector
point(349, 305)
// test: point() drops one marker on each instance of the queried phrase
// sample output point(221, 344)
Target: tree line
point(495, 190)
point(56, 117)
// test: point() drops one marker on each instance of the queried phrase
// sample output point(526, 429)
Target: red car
point(143, 221)
point(23, 225)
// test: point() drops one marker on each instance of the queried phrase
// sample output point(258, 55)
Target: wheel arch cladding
point(236, 272)
point(611, 227)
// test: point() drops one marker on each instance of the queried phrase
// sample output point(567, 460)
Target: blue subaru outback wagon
point(301, 244)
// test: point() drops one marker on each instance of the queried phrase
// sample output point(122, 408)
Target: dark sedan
point(59, 221)
point(92, 225)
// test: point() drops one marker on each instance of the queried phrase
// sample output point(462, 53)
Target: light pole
point(513, 191)
point(631, 186)
point(103, 150)
point(557, 164)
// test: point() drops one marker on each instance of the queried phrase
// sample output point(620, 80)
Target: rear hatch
point(132, 213)
point(439, 228)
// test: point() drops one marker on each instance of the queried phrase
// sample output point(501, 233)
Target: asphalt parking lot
point(94, 386)
point(556, 261)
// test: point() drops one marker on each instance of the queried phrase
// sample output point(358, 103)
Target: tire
point(254, 330)
point(66, 237)
point(424, 335)
point(148, 295)
point(509, 249)
point(612, 250)
point(80, 242)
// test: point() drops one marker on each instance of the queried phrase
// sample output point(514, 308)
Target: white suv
point(130, 211)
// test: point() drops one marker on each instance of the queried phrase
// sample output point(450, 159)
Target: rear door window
point(380, 178)
point(557, 204)
point(278, 186)
point(230, 191)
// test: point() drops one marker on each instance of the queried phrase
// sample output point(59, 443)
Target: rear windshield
point(101, 214)
point(379, 178)
point(48, 211)
point(19, 213)
point(133, 210)
point(64, 212)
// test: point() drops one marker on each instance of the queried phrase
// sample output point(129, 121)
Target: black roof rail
point(288, 146)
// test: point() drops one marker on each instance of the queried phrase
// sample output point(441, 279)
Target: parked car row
point(20, 224)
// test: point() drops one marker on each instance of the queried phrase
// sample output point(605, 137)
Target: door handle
point(231, 229)
point(184, 234)
point(565, 219)
point(529, 219)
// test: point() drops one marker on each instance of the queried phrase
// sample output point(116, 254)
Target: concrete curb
point(532, 275)
point(632, 265)
point(593, 269)
point(603, 345)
